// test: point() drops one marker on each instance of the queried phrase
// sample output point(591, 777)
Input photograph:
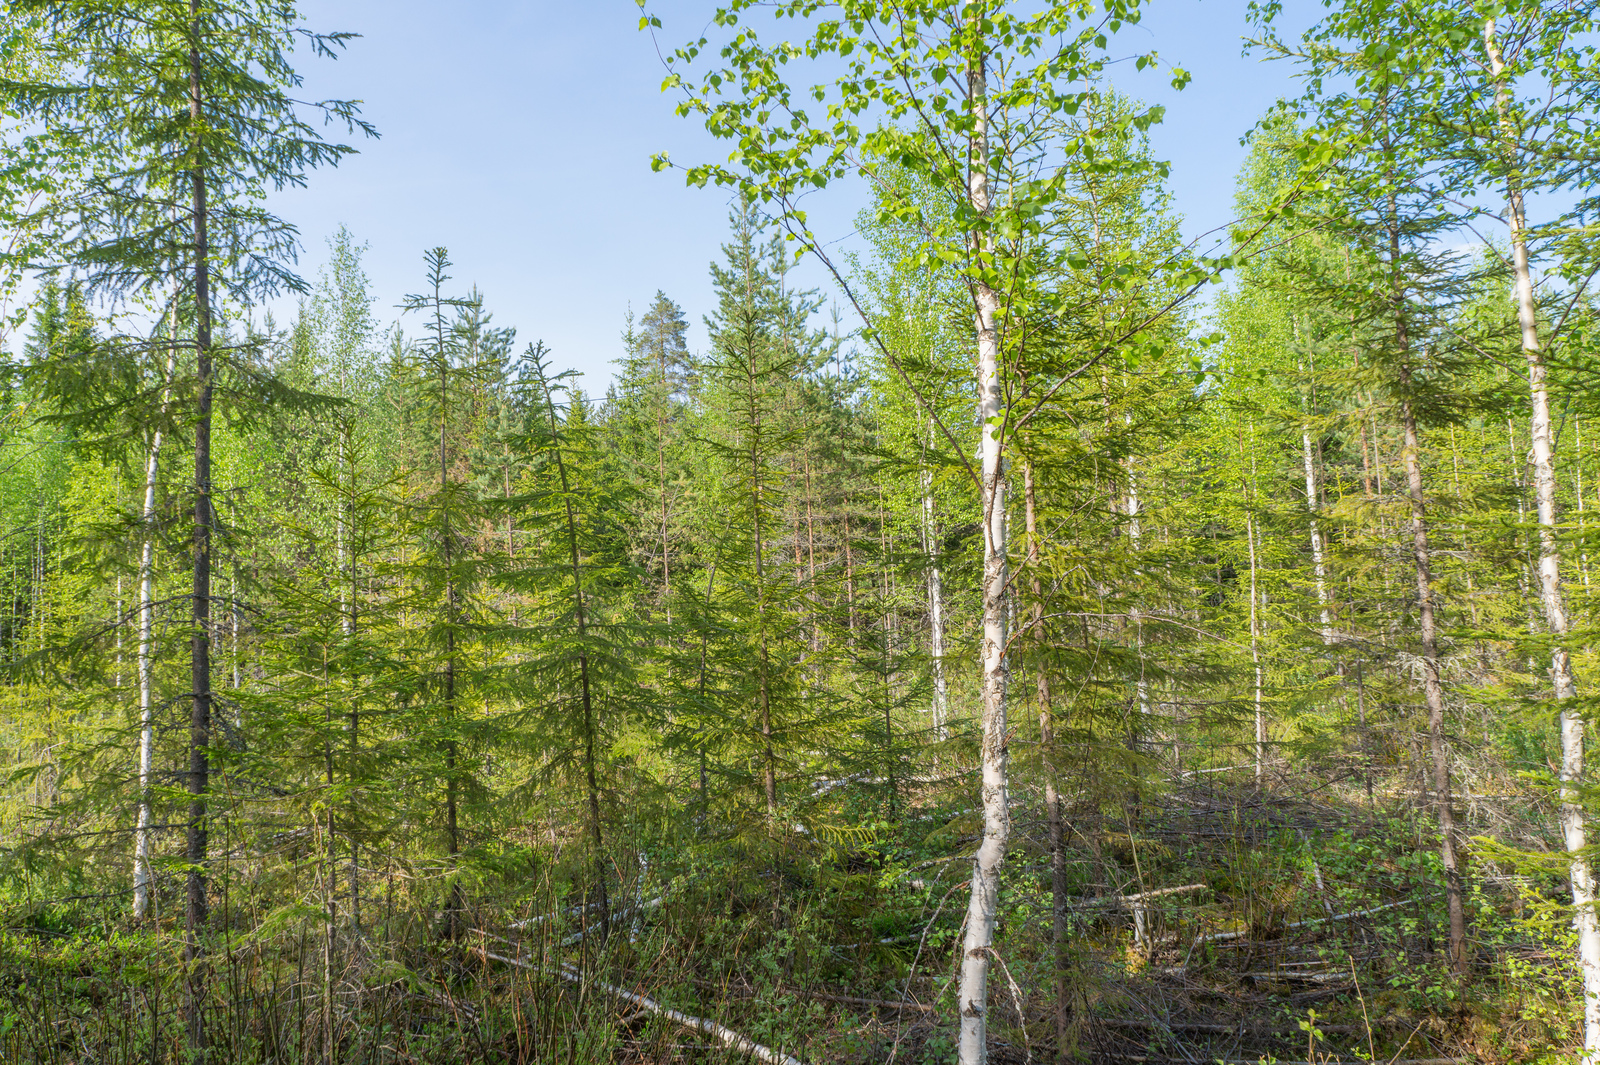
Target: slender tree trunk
point(769, 761)
point(1366, 736)
point(453, 906)
point(1255, 615)
point(661, 483)
point(1427, 625)
point(886, 650)
point(352, 626)
point(1052, 795)
point(1313, 508)
point(146, 666)
point(705, 638)
point(590, 773)
point(1433, 683)
point(930, 547)
point(146, 653)
point(200, 646)
point(1255, 653)
point(849, 574)
point(1366, 465)
point(1551, 595)
point(811, 563)
point(983, 905)
point(1135, 613)
point(330, 856)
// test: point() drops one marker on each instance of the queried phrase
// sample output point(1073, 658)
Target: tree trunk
point(930, 547)
point(811, 563)
point(849, 575)
point(1551, 596)
point(591, 778)
point(769, 762)
point(352, 625)
point(1366, 737)
point(453, 906)
point(200, 637)
point(146, 653)
point(661, 483)
point(141, 838)
point(1255, 654)
point(1313, 507)
point(978, 945)
point(1433, 684)
point(1132, 506)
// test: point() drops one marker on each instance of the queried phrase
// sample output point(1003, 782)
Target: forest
point(1051, 639)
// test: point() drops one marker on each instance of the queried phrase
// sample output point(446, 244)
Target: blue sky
point(519, 134)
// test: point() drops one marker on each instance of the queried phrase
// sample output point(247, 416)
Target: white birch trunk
point(930, 546)
point(147, 557)
point(977, 946)
point(141, 833)
point(1551, 596)
point(1318, 563)
point(1319, 567)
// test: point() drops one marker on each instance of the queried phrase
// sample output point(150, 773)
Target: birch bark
point(1313, 508)
point(146, 653)
point(930, 547)
point(1551, 595)
point(978, 944)
point(141, 832)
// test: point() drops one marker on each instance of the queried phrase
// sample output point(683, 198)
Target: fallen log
point(616, 917)
point(722, 1034)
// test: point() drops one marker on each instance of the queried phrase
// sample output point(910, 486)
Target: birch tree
point(1518, 122)
point(967, 94)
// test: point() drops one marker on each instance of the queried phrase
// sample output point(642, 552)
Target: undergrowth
point(1303, 933)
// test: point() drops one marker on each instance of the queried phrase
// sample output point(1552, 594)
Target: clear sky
point(518, 134)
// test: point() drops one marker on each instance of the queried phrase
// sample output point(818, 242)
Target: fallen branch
point(570, 911)
point(1220, 937)
point(1143, 895)
point(724, 1035)
point(615, 917)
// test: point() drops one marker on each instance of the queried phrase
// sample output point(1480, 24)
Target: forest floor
point(1270, 927)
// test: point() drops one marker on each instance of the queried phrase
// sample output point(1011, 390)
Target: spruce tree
point(190, 101)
